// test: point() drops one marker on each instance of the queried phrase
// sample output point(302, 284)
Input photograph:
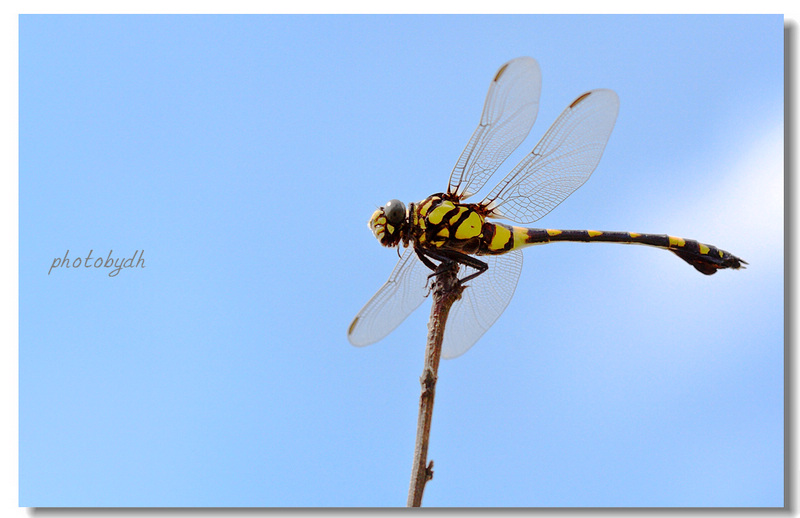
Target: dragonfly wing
point(405, 290)
point(561, 162)
point(508, 116)
point(483, 301)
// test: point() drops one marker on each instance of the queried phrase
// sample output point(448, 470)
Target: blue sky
point(244, 155)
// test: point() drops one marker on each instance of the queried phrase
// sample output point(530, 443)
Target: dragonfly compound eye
point(395, 211)
point(443, 229)
point(387, 223)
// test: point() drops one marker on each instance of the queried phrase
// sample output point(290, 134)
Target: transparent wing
point(483, 301)
point(508, 116)
point(403, 293)
point(560, 163)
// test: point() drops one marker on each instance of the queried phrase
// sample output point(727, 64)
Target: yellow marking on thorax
point(634, 235)
point(676, 241)
point(551, 232)
point(424, 207)
point(437, 214)
point(417, 221)
point(470, 227)
point(594, 233)
point(454, 219)
point(500, 238)
point(704, 249)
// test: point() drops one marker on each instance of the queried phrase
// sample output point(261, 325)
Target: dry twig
point(446, 290)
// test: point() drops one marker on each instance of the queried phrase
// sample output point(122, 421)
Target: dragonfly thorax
point(443, 228)
point(389, 223)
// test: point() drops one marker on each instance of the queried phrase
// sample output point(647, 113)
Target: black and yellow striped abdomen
point(705, 258)
point(438, 223)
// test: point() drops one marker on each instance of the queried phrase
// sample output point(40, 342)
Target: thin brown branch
point(445, 291)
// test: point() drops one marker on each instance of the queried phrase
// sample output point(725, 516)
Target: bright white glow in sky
point(244, 154)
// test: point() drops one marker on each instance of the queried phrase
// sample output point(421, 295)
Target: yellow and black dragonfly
point(443, 229)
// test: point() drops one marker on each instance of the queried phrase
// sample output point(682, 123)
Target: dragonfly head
point(387, 223)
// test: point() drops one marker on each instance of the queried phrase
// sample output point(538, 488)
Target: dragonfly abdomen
point(442, 229)
point(705, 258)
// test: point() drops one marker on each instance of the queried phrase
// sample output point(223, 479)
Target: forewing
point(508, 116)
point(561, 162)
point(482, 302)
point(403, 293)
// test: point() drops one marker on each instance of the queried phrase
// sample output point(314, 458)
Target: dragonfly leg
point(446, 260)
point(423, 256)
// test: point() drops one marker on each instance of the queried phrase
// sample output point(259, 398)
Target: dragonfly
point(445, 231)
